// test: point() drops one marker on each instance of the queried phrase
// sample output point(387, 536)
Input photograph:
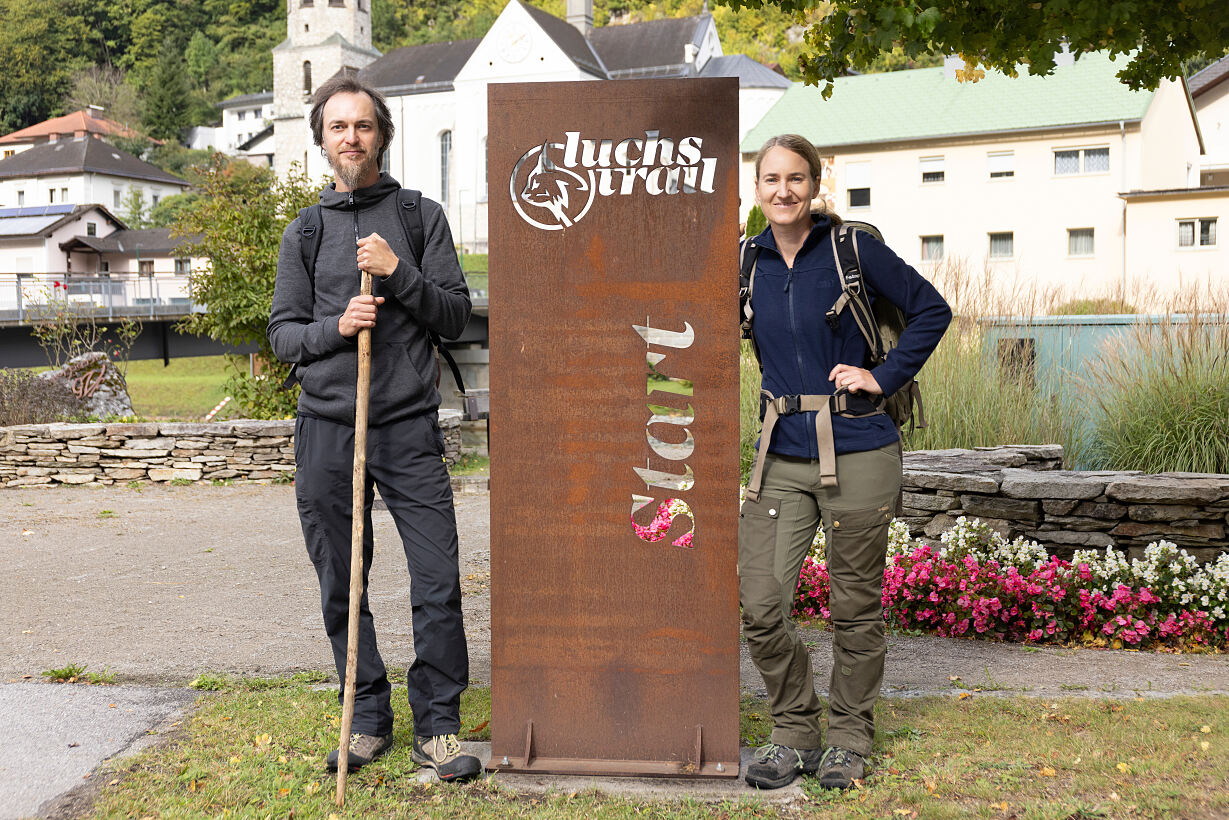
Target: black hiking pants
point(405, 460)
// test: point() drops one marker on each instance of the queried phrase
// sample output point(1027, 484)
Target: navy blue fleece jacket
point(420, 295)
point(798, 350)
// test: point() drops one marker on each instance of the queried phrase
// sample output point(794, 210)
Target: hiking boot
point(363, 750)
point(443, 754)
point(840, 768)
point(776, 766)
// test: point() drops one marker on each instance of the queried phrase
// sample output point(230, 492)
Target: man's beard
point(352, 174)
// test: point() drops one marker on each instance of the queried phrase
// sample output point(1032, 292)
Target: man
point(315, 322)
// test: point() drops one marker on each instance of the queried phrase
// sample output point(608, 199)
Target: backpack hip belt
point(823, 405)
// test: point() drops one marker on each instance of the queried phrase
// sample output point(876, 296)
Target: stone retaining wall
point(1020, 491)
point(43, 455)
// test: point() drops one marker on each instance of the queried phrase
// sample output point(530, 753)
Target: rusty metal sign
point(614, 427)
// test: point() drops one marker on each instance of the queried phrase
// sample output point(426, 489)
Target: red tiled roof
point(67, 126)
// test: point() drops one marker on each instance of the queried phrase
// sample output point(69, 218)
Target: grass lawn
point(185, 390)
point(256, 748)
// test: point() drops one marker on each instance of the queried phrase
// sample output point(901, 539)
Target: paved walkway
point(160, 584)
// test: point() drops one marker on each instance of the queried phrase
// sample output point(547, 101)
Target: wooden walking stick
point(357, 522)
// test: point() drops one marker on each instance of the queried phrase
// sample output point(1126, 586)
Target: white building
point(437, 93)
point(1071, 182)
point(78, 170)
point(1210, 91)
point(246, 130)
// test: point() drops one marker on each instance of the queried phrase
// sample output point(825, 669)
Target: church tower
point(323, 37)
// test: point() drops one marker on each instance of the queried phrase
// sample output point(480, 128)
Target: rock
point(256, 428)
point(1079, 524)
point(1163, 512)
point(1058, 507)
point(73, 478)
point(1071, 539)
point(926, 501)
point(164, 444)
point(1136, 529)
point(1100, 509)
point(997, 507)
point(68, 432)
point(1050, 484)
point(1156, 489)
point(186, 429)
point(949, 481)
point(78, 449)
point(123, 473)
point(170, 474)
point(938, 525)
point(141, 430)
point(96, 381)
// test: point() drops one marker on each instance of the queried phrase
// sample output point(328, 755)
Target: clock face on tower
point(515, 43)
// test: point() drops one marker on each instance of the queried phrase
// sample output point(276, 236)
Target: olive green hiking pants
point(774, 537)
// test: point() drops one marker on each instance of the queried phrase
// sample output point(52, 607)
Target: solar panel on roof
point(42, 210)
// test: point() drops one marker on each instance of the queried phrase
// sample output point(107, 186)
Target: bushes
point(27, 399)
point(976, 583)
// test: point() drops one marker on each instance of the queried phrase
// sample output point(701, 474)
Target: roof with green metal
point(923, 103)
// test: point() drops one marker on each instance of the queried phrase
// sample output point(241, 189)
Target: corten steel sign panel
point(614, 427)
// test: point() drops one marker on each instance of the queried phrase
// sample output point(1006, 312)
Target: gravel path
point(160, 584)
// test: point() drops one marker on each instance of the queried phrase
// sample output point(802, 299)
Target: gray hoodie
point(419, 296)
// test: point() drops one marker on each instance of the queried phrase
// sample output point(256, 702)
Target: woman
point(796, 283)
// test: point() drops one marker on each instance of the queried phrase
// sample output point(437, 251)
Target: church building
point(438, 92)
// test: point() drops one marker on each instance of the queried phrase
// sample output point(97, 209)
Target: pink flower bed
point(1050, 604)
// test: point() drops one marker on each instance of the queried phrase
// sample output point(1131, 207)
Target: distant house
point(246, 130)
point(1071, 181)
point(81, 169)
point(88, 121)
point(1210, 91)
point(437, 92)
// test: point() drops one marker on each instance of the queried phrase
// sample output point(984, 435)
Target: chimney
point(52, 137)
point(580, 15)
point(94, 110)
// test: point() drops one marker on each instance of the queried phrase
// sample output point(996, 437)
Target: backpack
point(311, 224)
point(880, 323)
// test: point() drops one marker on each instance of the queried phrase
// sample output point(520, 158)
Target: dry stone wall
point(44, 455)
point(1022, 491)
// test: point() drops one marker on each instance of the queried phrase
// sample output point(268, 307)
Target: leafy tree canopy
point(1156, 36)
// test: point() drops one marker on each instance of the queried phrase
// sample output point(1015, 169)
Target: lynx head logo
point(546, 194)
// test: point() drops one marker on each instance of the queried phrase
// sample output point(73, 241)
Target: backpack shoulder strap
point(409, 202)
point(311, 225)
point(409, 208)
point(748, 257)
point(853, 291)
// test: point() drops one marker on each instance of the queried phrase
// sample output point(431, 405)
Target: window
point(1002, 245)
point(145, 267)
point(51, 195)
point(104, 266)
point(1001, 164)
point(242, 114)
point(63, 194)
point(115, 197)
point(932, 170)
point(183, 266)
point(1081, 161)
point(21, 198)
point(338, 3)
point(307, 76)
point(306, 4)
point(858, 184)
point(9, 152)
point(482, 192)
point(932, 248)
point(153, 200)
point(445, 162)
point(1203, 229)
point(1079, 241)
point(91, 229)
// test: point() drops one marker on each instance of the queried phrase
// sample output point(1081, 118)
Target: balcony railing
point(27, 298)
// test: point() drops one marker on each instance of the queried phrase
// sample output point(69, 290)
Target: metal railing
point(28, 298)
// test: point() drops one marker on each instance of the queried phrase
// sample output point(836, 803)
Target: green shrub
point(1160, 402)
point(748, 408)
point(27, 399)
point(756, 221)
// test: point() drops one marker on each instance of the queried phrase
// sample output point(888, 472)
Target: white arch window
point(445, 165)
point(307, 76)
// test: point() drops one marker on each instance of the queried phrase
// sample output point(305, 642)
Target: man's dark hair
point(346, 84)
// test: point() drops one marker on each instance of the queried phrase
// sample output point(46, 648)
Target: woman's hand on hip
point(854, 379)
